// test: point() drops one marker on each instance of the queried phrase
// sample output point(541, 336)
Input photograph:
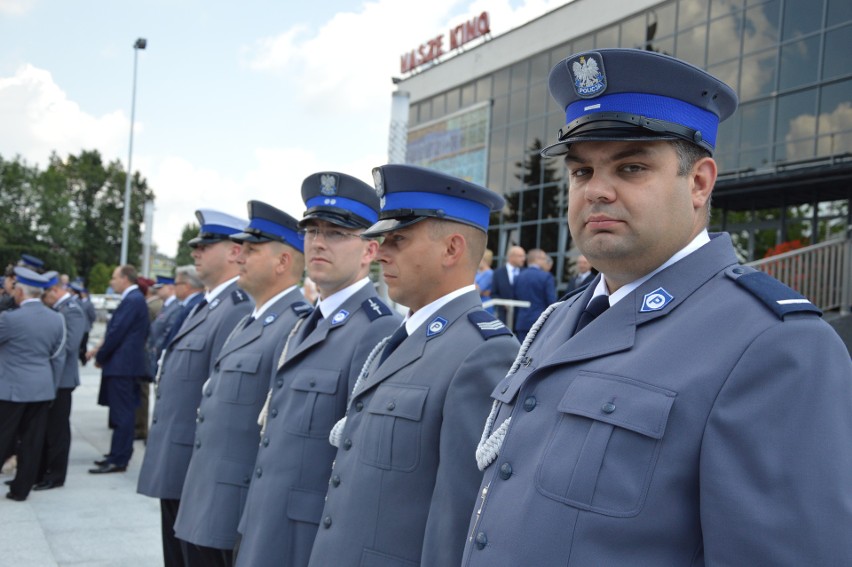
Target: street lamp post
point(125, 225)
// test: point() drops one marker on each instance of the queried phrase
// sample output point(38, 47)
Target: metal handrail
point(510, 305)
point(821, 272)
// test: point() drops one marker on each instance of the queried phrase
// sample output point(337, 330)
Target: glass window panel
point(801, 17)
point(691, 12)
point(691, 45)
point(665, 46)
point(795, 126)
point(553, 202)
point(518, 106)
point(535, 134)
point(727, 72)
point(755, 124)
point(500, 111)
point(839, 11)
point(549, 240)
point(439, 106)
point(722, 7)
point(425, 111)
point(501, 82)
point(453, 100)
point(412, 115)
point(497, 176)
point(607, 37)
point(726, 161)
point(483, 89)
point(468, 95)
point(528, 172)
point(497, 146)
point(758, 75)
point(586, 43)
point(529, 236)
point(729, 132)
point(634, 32)
point(515, 142)
point(560, 53)
point(520, 75)
point(510, 210)
point(836, 60)
point(662, 20)
point(724, 42)
point(539, 68)
point(757, 158)
point(555, 121)
point(835, 119)
point(799, 63)
point(760, 26)
point(538, 99)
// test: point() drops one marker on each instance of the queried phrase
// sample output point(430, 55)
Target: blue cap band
point(351, 205)
point(452, 207)
point(289, 236)
point(35, 283)
point(650, 106)
point(219, 229)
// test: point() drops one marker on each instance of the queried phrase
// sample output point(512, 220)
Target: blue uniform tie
point(595, 307)
point(400, 335)
point(311, 322)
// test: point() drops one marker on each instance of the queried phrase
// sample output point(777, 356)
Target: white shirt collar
point(61, 300)
point(169, 300)
point(331, 303)
point(128, 290)
point(414, 320)
point(258, 311)
point(189, 298)
point(700, 240)
point(211, 295)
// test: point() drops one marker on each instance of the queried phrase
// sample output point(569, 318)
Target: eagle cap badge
point(587, 70)
point(328, 184)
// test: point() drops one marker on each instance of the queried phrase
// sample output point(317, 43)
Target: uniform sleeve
point(457, 482)
point(776, 459)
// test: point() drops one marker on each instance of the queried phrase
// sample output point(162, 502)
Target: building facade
point(785, 157)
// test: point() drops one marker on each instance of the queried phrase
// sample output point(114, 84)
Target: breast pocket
point(314, 408)
point(602, 453)
point(188, 349)
point(239, 382)
point(392, 427)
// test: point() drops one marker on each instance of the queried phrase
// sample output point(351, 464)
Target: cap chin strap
point(591, 123)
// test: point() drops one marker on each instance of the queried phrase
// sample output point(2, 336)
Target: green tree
point(183, 257)
point(99, 277)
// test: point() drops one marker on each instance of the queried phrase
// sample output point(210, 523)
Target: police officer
point(681, 409)
point(404, 479)
point(32, 355)
point(316, 369)
point(226, 437)
point(187, 364)
point(162, 323)
point(88, 308)
point(57, 441)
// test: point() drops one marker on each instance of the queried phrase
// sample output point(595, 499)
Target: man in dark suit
point(585, 274)
point(313, 374)
point(32, 355)
point(121, 358)
point(187, 363)
point(57, 441)
point(682, 409)
point(404, 478)
point(536, 285)
point(226, 437)
point(503, 286)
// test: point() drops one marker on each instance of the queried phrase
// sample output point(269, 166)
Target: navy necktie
point(200, 306)
point(311, 322)
point(595, 307)
point(396, 339)
point(249, 321)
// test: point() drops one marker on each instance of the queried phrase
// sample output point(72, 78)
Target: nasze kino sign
point(434, 48)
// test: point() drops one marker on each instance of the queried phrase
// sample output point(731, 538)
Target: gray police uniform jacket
point(76, 323)
point(160, 327)
point(91, 313)
point(32, 353)
point(309, 394)
point(226, 434)
point(187, 365)
point(693, 423)
point(405, 477)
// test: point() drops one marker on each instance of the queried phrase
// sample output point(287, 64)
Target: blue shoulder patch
point(300, 308)
point(774, 294)
point(238, 296)
point(488, 325)
point(375, 308)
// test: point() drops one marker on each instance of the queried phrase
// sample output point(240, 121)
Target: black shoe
point(48, 484)
point(102, 462)
point(15, 497)
point(8, 482)
point(108, 468)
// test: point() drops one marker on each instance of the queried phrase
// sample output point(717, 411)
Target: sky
point(234, 100)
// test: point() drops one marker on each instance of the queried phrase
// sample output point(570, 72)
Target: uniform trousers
point(122, 394)
point(26, 421)
point(200, 556)
point(141, 423)
point(173, 548)
point(57, 439)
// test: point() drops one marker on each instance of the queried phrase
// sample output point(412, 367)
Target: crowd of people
point(675, 408)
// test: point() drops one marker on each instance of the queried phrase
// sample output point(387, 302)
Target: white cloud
point(38, 118)
point(15, 7)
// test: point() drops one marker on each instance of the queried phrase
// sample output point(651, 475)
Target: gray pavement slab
point(92, 521)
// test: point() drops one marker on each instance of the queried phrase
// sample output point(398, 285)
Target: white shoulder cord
point(489, 445)
point(337, 431)
point(264, 411)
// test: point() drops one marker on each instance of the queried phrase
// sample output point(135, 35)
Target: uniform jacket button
point(481, 540)
point(359, 405)
point(266, 441)
point(347, 444)
point(505, 471)
point(335, 480)
point(313, 383)
point(530, 403)
point(391, 406)
point(608, 407)
point(258, 472)
point(326, 522)
point(274, 412)
point(279, 382)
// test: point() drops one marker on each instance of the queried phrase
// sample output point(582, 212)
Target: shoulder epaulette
point(301, 308)
point(488, 325)
point(238, 296)
point(775, 295)
point(375, 308)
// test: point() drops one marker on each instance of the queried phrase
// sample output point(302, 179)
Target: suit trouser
point(57, 439)
point(200, 556)
point(141, 418)
point(122, 397)
point(27, 421)
point(173, 548)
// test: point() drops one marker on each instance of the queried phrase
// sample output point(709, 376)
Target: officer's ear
point(702, 181)
point(455, 249)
